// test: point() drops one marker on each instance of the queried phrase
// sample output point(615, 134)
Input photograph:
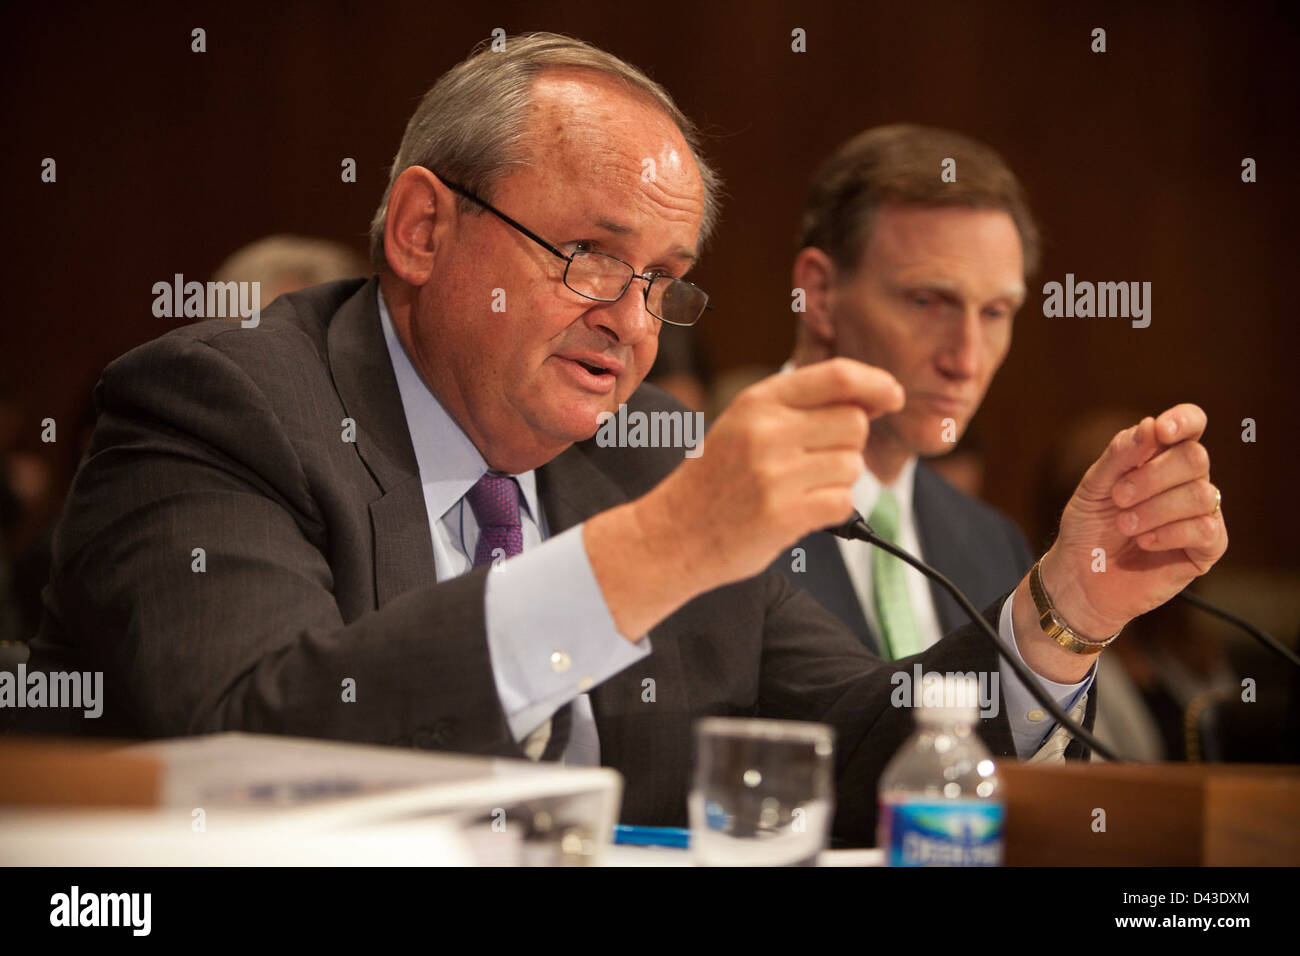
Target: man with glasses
point(379, 515)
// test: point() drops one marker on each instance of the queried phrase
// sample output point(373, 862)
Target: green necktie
point(898, 636)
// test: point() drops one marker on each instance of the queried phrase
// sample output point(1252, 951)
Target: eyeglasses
point(602, 278)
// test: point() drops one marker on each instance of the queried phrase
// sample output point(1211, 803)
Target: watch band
point(1052, 624)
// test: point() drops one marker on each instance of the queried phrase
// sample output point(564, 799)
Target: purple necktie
point(495, 500)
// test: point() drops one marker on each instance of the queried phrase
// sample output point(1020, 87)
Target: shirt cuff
point(1030, 723)
point(550, 635)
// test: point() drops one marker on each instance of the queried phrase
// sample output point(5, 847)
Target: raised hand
point(1147, 503)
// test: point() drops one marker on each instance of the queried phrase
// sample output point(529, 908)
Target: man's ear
point(814, 276)
point(421, 210)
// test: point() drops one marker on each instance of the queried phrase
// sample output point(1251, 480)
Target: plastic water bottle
point(940, 804)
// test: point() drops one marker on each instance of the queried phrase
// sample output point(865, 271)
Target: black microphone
point(857, 529)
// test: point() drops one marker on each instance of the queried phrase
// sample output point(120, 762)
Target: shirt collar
point(450, 465)
point(867, 489)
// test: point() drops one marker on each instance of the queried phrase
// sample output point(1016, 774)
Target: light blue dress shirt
point(546, 652)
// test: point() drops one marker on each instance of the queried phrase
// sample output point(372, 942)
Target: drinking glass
point(763, 791)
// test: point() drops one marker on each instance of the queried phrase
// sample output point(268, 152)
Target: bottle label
point(942, 832)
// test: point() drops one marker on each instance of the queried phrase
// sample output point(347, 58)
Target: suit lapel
point(944, 545)
point(363, 376)
point(571, 489)
point(827, 579)
point(402, 547)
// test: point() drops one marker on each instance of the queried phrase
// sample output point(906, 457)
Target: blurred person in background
point(921, 277)
point(285, 263)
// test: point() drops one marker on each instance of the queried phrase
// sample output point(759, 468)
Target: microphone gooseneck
point(857, 529)
point(1265, 638)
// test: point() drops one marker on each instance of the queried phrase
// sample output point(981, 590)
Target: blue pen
point(652, 836)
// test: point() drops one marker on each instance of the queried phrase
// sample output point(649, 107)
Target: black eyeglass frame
point(568, 259)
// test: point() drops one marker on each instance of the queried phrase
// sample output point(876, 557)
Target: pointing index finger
point(841, 381)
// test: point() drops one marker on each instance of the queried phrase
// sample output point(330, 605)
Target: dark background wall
point(168, 160)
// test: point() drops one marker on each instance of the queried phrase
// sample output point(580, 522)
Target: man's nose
point(960, 356)
point(626, 320)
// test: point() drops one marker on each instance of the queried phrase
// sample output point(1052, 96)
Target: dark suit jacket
point(977, 547)
point(319, 567)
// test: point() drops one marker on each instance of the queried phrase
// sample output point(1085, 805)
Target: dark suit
point(319, 567)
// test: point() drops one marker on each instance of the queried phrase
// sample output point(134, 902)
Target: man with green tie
point(914, 272)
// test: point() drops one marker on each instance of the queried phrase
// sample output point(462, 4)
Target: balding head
point(472, 124)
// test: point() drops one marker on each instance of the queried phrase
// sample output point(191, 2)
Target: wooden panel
point(76, 774)
point(1155, 814)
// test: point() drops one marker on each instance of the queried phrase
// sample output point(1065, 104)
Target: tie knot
point(495, 501)
point(884, 519)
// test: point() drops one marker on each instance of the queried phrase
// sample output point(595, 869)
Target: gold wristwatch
point(1052, 624)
